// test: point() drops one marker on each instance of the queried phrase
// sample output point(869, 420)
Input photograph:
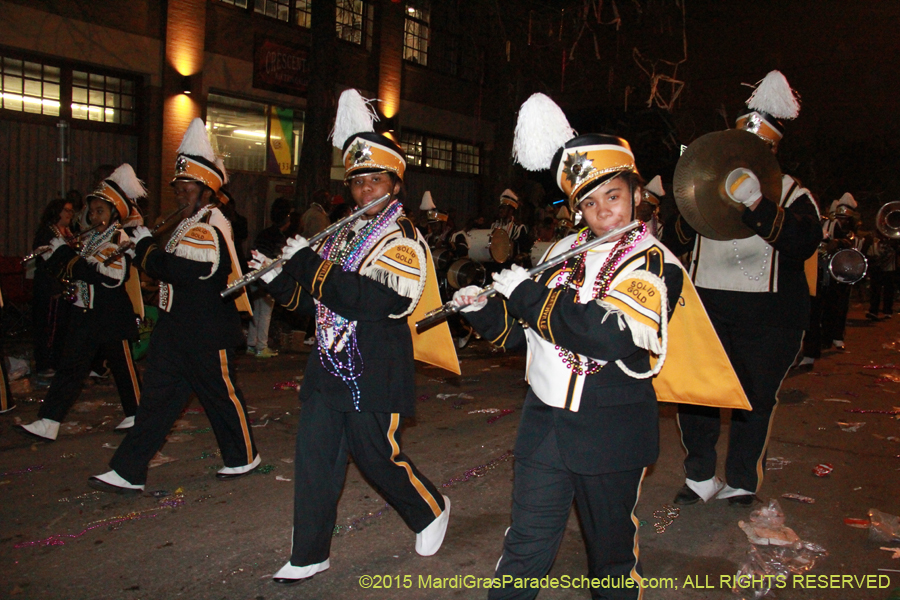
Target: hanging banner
point(281, 141)
point(280, 66)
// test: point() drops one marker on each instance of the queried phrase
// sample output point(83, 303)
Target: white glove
point(55, 244)
point(742, 186)
point(140, 232)
point(507, 280)
point(465, 299)
point(294, 245)
point(130, 253)
point(259, 261)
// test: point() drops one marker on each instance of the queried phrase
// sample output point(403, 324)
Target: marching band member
point(103, 318)
point(593, 327)
point(192, 345)
point(649, 210)
point(757, 294)
point(362, 283)
point(506, 220)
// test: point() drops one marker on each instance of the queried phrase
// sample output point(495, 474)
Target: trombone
point(254, 275)
point(441, 314)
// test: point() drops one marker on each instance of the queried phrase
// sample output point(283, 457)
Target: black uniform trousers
point(812, 338)
point(81, 345)
point(5, 392)
point(761, 356)
point(324, 438)
point(835, 305)
point(172, 372)
point(543, 491)
point(883, 289)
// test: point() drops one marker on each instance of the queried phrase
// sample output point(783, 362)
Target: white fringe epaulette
point(354, 115)
point(541, 130)
point(196, 141)
point(773, 95)
point(128, 182)
point(643, 335)
point(208, 254)
point(407, 287)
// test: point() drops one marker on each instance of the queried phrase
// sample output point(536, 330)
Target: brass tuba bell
point(887, 221)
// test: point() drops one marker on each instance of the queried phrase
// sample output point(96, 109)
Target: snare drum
point(486, 245)
point(466, 272)
point(538, 250)
point(847, 265)
point(443, 258)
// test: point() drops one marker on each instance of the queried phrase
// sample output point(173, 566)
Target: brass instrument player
point(757, 294)
point(103, 318)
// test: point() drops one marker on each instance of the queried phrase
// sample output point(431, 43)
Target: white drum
point(487, 245)
point(538, 250)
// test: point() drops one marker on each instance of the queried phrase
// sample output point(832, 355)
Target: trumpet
point(75, 238)
point(254, 275)
point(439, 315)
point(128, 244)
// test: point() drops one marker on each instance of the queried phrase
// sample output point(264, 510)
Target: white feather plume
point(220, 163)
point(541, 130)
point(848, 200)
point(773, 95)
point(427, 202)
point(354, 115)
point(196, 141)
point(655, 187)
point(128, 182)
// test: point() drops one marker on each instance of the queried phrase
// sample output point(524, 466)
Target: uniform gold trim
point(395, 451)
point(223, 362)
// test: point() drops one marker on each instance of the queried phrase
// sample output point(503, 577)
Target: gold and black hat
point(588, 161)
point(363, 150)
point(196, 160)
point(437, 216)
point(121, 189)
point(772, 101)
point(509, 198)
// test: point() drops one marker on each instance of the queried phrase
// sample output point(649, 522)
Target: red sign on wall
point(280, 67)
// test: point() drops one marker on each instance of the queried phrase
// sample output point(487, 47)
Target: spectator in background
point(882, 255)
point(339, 209)
point(239, 227)
point(315, 219)
point(269, 242)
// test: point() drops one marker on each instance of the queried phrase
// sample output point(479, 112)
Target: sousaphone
point(699, 182)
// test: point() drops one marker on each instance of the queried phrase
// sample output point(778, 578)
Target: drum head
point(465, 272)
point(479, 241)
point(443, 257)
point(847, 265)
point(501, 247)
point(538, 250)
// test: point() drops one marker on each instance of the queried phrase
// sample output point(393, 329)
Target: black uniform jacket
point(387, 383)
point(795, 233)
point(199, 318)
point(616, 426)
point(112, 318)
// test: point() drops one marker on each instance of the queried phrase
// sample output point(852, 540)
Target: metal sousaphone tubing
point(699, 182)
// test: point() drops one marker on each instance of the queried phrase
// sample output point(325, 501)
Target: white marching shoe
point(289, 574)
point(127, 423)
point(708, 489)
point(429, 540)
point(234, 472)
point(115, 483)
point(43, 428)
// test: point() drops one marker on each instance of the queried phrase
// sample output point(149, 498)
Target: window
point(238, 3)
point(252, 136)
point(416, 32)
point(467, 159)
point(30, 87)
point(101, 98)
point(278, 9)
point(302, 13)
point(440, 153)
point(354, 21)
point(412, 144)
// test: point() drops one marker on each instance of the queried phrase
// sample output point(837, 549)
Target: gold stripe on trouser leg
point(759, 461)
point(223, 362)
point(637, 524)
point(395, 450)
point(134, 380)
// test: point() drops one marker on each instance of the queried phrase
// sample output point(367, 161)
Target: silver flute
point(41, 249)
point(439, 315)
point(254, 275)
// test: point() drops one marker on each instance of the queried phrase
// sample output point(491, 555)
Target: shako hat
point(196, 160)
point(363, 150)
point(653, 191)
point(437, 216)
point(121, 189)
point(509, 198)
point(579, 163)
point(772, 101)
